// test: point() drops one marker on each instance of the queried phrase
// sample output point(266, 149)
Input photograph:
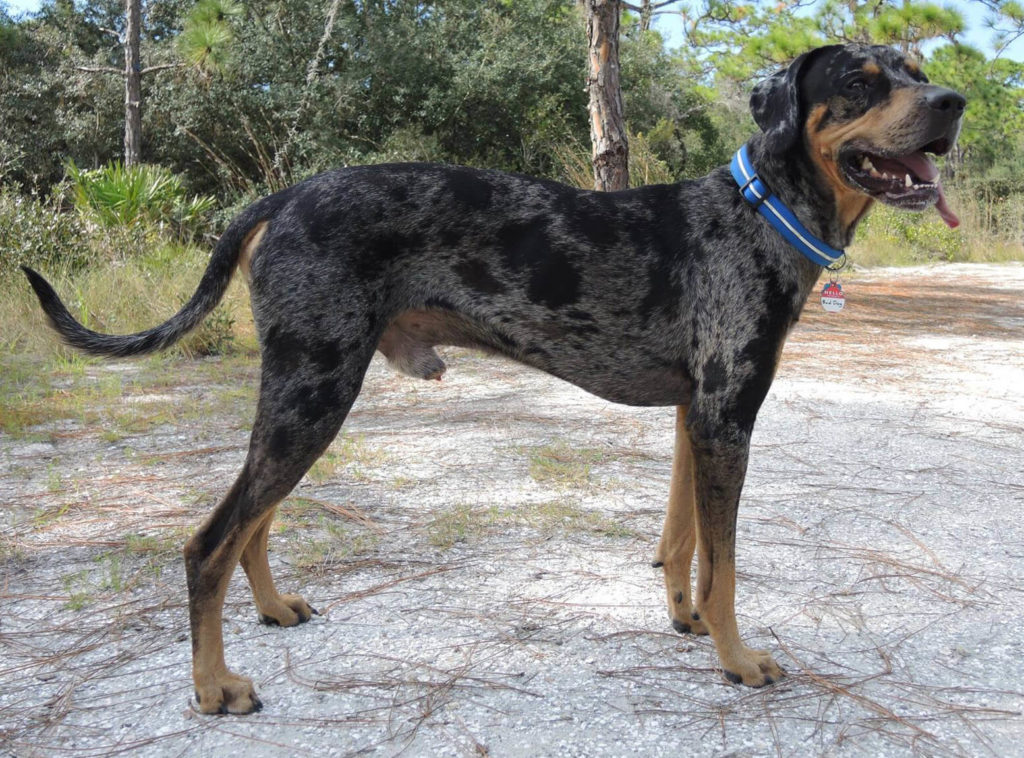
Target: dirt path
point(480, 548)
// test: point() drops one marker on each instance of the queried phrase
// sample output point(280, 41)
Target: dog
point(671, 295)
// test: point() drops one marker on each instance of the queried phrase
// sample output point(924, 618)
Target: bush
point(991, 230)
point(645, 167)
point(116, 196)
point(36, 232)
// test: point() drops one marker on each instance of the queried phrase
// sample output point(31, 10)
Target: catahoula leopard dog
point(671, 295)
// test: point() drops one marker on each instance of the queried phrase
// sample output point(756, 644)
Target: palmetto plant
point(119, 196)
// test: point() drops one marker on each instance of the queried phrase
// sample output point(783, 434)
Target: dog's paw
point(227, 693)
point(685, 619)
point(754, 668)
point(289, 610)
point(691, 625)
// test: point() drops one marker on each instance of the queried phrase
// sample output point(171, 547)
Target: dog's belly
point(629, 383)
point(609, 365)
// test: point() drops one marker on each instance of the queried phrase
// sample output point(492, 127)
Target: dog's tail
point(211, 289)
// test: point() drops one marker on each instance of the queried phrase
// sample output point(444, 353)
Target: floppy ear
point(775, 104)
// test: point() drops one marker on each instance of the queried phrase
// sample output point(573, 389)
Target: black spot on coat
point(555, 281)
point(475, 275)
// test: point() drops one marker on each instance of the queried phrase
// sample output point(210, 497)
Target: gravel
point(473, 604)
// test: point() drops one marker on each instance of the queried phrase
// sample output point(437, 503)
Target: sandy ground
point(480, 551)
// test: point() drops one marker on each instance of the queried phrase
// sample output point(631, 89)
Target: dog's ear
point(775, 104)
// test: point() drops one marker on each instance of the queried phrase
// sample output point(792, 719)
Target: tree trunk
point(646, 14)
point(607, 124)
point(132, 84)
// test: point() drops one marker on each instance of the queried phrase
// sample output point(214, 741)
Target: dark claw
point(657, 565)
point(198, 699)
point(734, 678)
point(268, 620)
point(315, 611)
point(681, 626)
point(768, 680)
point(257, 705)
point(223, 708)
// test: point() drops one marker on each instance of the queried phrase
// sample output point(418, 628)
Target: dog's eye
point(855, 84)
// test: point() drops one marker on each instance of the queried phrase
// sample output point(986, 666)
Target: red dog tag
point(832, 297)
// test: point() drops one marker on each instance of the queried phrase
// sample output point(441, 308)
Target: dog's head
point(867, 118)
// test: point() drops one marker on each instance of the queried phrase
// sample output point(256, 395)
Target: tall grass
point(991, 230)
point(121, 257)
point(645, 167)
point(123, 297)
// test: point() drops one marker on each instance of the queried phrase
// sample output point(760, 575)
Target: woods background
point(240, 99)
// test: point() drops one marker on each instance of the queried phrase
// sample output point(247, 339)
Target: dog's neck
point(797, 181)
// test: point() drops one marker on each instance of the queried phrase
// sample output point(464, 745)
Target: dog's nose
point(945, 100)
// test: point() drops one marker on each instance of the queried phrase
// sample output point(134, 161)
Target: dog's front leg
point(720, 453)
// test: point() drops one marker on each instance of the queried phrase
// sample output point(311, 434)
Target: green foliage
point(677, 118)
point(993, 132)
point(906, 237)
point(117, 196)
point(37, 232)
point(268, 92)
point(206, 36)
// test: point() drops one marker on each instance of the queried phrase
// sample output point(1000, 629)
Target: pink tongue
point(922, 167)
point(946, 212)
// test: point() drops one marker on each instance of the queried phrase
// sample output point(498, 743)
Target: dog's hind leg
point(301, 408)
point(273, 608)
point(720, 451)
point(679, 536)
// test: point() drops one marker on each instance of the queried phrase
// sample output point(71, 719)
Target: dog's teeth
point(907, 181)
point(874, 171)
point(866, 164)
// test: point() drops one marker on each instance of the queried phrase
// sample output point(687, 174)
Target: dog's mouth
point(909, 181)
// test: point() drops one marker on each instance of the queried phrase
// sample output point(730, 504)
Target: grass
point(41, 392)
point(349, 452)
point(988, 233)
point(560, 465)
point(317, 538)
point(550, 518)
point(124, 296)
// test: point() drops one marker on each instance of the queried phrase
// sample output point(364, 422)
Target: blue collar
point(757, 193)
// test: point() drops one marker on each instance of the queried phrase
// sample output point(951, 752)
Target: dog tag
point(832, 297)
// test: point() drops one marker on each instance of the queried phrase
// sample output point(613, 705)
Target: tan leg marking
point(718, 490)
point(679, 536)
point(218, 690)
point(740, 664)
point(273, 607)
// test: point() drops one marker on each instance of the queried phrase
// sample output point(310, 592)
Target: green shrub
point(991, 230)
point(890, 235)
point(37, 232)
point(116, 196)
point(645, 167)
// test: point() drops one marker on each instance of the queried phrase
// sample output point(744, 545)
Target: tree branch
point(653, 6)
point(160, 67)
point(99, 69)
